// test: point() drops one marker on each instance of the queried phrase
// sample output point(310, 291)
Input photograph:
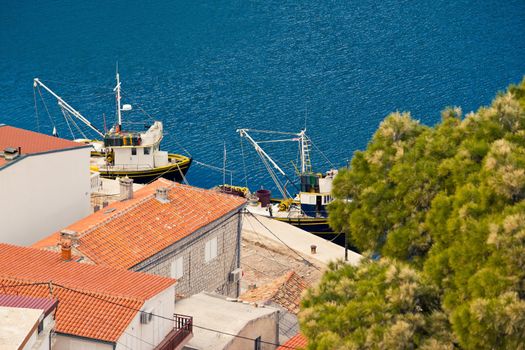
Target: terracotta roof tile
point(32, 142)
point(298, 341)
point(285, 291)
point(128, 232)
point(86, 313)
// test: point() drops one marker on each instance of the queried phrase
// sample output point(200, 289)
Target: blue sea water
point(206, 68)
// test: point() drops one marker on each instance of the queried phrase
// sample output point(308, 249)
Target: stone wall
point(199, 275)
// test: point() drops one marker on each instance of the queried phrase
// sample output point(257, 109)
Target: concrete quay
point(274, 232)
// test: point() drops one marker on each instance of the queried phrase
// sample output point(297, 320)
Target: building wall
point(288, 322)
point(43, 193)
point(265, 327)
point(199, 275)
point(146, 336)
point(40, 341)
point(66, 342)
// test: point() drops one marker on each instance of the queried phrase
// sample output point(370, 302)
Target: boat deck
point(294, 212)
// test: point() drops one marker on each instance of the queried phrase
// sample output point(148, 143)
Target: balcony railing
point(95, 181)
point(181, 333)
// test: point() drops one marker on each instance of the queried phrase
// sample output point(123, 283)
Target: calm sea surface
point(206, 68)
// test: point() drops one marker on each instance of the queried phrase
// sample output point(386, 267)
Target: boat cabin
point(315, 193)
point(135, 150)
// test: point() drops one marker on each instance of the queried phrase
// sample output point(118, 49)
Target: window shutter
point(210, 250)
point(214, 248)
point(177, 268)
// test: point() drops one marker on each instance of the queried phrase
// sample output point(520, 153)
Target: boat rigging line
point(64, 105)
point(269, 162)
point(324, 156)
point(47, 110)
point(64, 113)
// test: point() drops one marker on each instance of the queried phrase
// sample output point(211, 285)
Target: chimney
point(65, 248)
point(126, 188)
point(70, 235)
point(162, 195)
point(68, 239)
point(11, 153)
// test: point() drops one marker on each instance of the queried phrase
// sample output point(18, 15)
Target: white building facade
point(41, 191)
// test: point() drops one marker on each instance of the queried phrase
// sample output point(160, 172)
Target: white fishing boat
point(120, 153)
point(307, 209)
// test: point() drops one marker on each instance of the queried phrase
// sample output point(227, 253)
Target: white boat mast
point(306, 166)
point(63, 104)
point(119, 111)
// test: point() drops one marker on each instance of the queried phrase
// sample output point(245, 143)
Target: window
point(210, 251)
point(177, 268)
point(133, 151)
point(146, 150)
point(257, 345)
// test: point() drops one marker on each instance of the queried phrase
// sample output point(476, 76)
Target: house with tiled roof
point(26, 322)
point(298, 342)
point(44, 184)
point(284, 294)
point(99, 307)
point(166, 229)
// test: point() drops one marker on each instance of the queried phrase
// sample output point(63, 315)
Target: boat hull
point(174, 171)
point(318, 226)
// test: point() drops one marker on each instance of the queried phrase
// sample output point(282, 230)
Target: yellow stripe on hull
point(171, 171)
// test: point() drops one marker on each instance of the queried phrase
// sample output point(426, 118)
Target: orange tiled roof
point(298, 341)
point(79, 314)
point(31, 142)
point(128, 232)
point(285, 291)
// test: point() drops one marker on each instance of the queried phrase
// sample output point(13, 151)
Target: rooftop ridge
point(126, 233)
point(53, 285)
point(80, 290)
point(44, 266)
point(104, 318)
point(118, 213)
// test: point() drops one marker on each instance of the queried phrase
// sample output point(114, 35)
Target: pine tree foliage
point(391, 307)
point(445, 205)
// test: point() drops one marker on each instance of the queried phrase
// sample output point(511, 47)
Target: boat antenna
point(224, 165)
point(119, 112)
point(305, 116)
point(105, 127)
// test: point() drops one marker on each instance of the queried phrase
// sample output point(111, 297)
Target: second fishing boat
point(306, 210)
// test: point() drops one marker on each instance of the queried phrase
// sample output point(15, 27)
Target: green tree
point(390, 304)
point(447, 204)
